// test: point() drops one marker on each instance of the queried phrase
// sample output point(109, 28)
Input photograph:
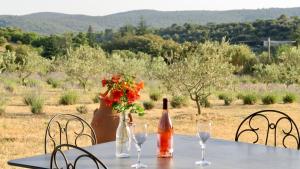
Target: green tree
point(242, 58)
point(133, 65)
point(84, 63)
point(2, 40)
point(198, 72)
point(267, 73)
point(80, 39)
point(91, 36)
point(142, 27)
point(25, 61)
point(289, 63)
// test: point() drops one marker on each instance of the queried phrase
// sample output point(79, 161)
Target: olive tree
point(289, 66)
point(267, 73)
point(198, 72)
point(84, 63)
point(133, 65)
point(24, 61)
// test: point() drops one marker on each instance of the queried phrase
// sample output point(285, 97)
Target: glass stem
point(139, 156)
point(203, 152)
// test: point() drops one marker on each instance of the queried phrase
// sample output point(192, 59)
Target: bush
point(228, 99)
point(205, 103)
point(9, 48)
point(28, 98)
point(2, 41)
point(155, 95)
point(32, 83)
point(240, 96)
point(268, 99)
point(82, 109)
point(148, 105)
point(37, 105)
point(9, 85)
point(249, 99)
point(53, 82)
point(69, 98)
point(96, 99)
point(289, 98)
point(221, 96)
point(35, 101)
point(178, 101)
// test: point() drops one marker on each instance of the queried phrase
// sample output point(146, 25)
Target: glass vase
point(123, 139)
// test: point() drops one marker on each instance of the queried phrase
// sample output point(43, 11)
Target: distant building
point(277, 43)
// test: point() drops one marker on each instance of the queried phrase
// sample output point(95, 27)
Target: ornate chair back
point(68, 129)
point(273, 122)
point(63, 162)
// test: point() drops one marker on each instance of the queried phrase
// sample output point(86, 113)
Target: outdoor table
point(222, 154)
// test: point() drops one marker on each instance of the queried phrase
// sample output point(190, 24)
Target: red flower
point(140, 86)
point(104, 82)
point(116, 95)
point(115, 78)
point(108, 101)
point(132, 96)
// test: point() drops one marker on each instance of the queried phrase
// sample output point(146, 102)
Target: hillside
point(51, 23)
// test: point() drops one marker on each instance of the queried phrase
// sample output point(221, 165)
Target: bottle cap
point(165, 103)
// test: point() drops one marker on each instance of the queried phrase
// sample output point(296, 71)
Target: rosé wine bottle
point(165, 133)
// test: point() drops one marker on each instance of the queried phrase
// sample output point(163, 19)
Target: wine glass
point(139, 136)
point(203, 132)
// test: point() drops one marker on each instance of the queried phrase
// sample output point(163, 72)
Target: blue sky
point(104, 7)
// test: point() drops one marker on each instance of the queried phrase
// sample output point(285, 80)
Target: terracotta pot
point(105, 123)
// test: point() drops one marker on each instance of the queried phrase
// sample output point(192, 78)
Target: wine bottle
point(165, 133)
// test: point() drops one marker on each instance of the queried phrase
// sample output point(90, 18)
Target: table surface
point(222, 154)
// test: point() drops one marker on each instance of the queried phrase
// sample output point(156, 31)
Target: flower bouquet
point(121, 94)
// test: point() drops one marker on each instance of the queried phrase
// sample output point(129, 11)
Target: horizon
point(103, 8)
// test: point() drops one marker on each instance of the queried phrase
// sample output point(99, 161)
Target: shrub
point(32, 83)
point(178, 101)
point(205, 103)
point(239, 96)
point(249, 99)
point(28, 98)
point(9, 85)
point(268, 99)
point(82, 109)
point(69, 98)
point(96, 99)
point(9, 48)
point(2, 41)
point(54, 83)
point(228, 99)
point(37, 105)
point(289, 98)
point(36, 102)
point(221, 96)
point(10, 88)
point(155, 95)
point(148, 105)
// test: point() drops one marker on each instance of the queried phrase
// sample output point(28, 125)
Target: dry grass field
point(21, 132)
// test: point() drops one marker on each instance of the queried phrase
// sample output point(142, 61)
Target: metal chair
point(66, 163)
point(291, 131)
point(61, 123)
